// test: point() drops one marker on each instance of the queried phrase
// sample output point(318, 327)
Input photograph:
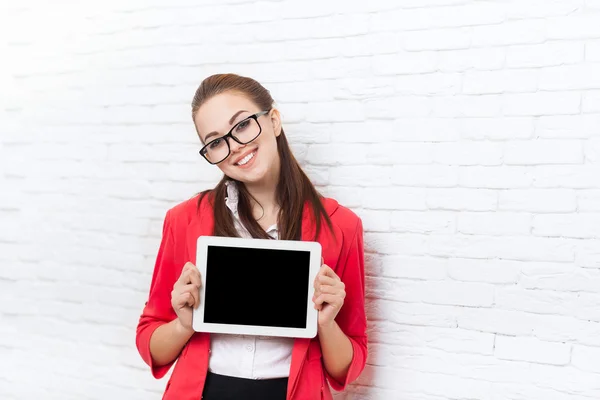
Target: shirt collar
point(232, 199)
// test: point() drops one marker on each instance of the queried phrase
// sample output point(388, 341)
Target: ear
point(276, 121)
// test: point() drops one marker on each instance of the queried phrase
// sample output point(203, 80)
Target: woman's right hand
point(186, 295)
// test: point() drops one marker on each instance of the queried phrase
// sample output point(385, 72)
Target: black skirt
point(222, 387)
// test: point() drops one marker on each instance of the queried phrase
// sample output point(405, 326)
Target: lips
point(247, 157)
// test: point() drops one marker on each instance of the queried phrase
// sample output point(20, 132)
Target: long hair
point(294, 188)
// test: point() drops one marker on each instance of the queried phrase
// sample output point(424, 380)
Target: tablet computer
point(257, 286)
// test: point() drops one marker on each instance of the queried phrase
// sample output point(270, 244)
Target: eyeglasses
point(243, 132)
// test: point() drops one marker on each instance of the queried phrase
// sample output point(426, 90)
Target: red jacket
point(182, 226)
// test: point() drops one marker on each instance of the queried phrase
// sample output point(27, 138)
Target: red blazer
point(308, 379)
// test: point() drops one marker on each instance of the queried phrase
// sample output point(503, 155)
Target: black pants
point(221, 387)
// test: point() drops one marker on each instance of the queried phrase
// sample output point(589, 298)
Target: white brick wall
point(465, 133)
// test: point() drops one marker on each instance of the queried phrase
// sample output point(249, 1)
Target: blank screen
point(263, 287)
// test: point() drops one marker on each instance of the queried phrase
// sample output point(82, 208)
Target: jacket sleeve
point(158, 309)
point(352, 318)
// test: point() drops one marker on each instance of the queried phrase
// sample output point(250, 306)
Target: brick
point(541, 103)
point(359, 88)
point(488, 271)
point(374, 175)
point(498, 223)
point(588, 200)
point(404, 63)
point(563, 278)
point(568, 126)
point(566, 176)
point(468, 153)
point(534, 152)
point(591, 101)
point(491, 58)
point(592, 151)
point(545, 54)
point(395, 198)
point(428, 84)
point(570, 77)
point(536, 301)
point(538, 200)
point(532, 350)
point(587, 254)
point(503, 81)
point(467, 106)
point(511, 323)
point(523, 248)
point(360, 132)
point(395, 244)
point(443, 39)
point(426, 130)
point(425, 175)
point(414, 267)
point(582, 226)
point(573, 27)
point(376, 220)
point(423, 222)
point(399, 153)
point(494, 177)
point(335, 112)
point(497, 128)
point(586, 358)
point(449, 340)
point(592, 50)
point(387, 314)
point(331, 68)
point(462, 199)
point(510, 32)
point(338, 154)
point(393, 107)
point(458, 293)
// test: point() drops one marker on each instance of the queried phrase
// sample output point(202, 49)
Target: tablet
point(257, 286)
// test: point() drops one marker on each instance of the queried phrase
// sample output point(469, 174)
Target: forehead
point(215, 113)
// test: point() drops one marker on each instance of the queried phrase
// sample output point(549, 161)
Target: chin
point(254, 176)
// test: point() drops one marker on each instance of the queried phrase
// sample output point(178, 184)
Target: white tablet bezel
point(315, 250)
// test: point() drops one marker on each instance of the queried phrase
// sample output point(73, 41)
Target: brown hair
point(294, 188)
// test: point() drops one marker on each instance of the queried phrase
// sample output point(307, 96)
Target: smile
point(246, 159)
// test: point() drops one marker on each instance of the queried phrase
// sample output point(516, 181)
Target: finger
point(192, 275)
point(330, 299)
point(195, 277)
point(324, 280)
point(183, 300)
point(336, 290)
point(317, 306)
point(327, 271)
point(193, 290)
point(185, 273)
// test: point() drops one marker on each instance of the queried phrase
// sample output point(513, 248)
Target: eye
point(215, 143)
point(242, 125)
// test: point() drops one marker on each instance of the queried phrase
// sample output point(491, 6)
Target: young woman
point(263, 194)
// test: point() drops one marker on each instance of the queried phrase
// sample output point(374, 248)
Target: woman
point(263, 194)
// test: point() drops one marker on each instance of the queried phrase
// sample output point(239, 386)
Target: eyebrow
point(213, 133)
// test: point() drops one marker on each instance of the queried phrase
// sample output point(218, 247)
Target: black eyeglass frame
point(229, 134)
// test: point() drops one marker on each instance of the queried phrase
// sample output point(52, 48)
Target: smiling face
point(248, 163)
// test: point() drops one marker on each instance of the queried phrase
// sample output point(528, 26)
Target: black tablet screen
point(263, 287)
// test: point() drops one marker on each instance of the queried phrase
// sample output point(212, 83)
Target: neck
point(265, 192)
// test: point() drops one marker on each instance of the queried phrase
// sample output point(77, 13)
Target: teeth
point(245, 160)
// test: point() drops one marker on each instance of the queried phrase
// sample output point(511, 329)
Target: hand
point(186, 295)
point(329, 295)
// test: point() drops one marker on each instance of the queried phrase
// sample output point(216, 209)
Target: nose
point(234, 146)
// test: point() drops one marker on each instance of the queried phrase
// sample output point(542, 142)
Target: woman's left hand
point(329, 295)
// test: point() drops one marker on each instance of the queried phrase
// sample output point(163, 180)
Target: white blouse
point(249, 356)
